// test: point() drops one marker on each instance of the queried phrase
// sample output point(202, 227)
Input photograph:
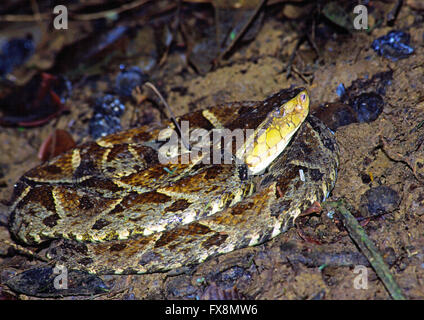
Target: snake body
point(116, 209)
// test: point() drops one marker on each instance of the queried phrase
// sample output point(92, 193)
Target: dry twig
point(359, 236)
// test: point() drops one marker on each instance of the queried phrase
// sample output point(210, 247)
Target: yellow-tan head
point(275, 132)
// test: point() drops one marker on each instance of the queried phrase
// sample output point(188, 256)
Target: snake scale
point(111, 207)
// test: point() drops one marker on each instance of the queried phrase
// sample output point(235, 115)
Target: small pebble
point(14, 53)
point(365, 178)
point(368, 106)
point(129, 79)
point(341, 91)
point(379, 200)
point(106, 117)
point(394, 45)
point(389, 256)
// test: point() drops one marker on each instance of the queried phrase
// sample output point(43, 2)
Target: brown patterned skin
point(118, 210)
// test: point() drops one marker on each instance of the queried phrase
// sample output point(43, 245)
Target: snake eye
point(303, 97)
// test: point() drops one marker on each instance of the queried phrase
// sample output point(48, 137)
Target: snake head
point(274, 134)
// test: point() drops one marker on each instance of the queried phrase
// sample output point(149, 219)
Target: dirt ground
point(385, 152)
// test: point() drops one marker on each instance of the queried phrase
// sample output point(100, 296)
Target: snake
point(157, 198)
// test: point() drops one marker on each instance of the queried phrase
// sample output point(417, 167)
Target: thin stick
point(24, 17)
point(174, 119)
point(293, 55)
point(392, 15)
point(107, 13)
point(36, 10)
point(359, 236)
point(300, 74)
point(243, 31)
point(81, 16)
